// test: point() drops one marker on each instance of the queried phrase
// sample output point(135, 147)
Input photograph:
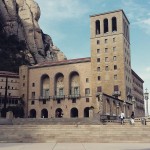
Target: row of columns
point(124, 109)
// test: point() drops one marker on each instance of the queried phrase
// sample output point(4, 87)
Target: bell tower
point(110, 54)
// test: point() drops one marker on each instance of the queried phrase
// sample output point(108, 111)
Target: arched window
point(32, 113)
point(74, 112)
point(114, 24)
point(59, 85)
point(97, 27)
point(58, 113)
point(45, 87)
point(44, 113)
point(105, 25)
point(74, 84)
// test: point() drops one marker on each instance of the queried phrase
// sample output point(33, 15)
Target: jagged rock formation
point(19, 21)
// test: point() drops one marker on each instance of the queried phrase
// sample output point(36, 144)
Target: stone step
point(74, 133)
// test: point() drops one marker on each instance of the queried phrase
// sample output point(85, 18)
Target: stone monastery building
point(84, 87)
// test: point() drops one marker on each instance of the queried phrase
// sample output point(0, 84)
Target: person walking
point(132, 118)
point(122, 117)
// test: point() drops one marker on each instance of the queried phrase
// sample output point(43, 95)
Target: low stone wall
point(70, 121)
point(4, 121)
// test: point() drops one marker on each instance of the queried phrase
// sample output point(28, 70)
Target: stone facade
point(109, 52)
point(12, 81)
point(138, 94)
point(64, 87)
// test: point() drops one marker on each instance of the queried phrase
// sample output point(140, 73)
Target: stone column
point(117, 109)
point(124, 105)
point(101, 103)
point(133, 104)
point(91, 113)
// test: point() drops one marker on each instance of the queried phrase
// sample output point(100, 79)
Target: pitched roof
point(8, 74)
point(63, 62)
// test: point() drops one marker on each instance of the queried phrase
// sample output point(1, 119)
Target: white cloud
point(146, 21)
point(138, 14)
point(145, 74)
point(145, 25)
point(58, 10)
point(148, 69)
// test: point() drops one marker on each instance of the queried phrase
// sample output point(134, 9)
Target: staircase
point(74, 133)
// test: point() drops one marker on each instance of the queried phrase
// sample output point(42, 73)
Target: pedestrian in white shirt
point(122, 117)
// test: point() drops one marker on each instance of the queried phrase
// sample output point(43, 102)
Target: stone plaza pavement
point(74, 146)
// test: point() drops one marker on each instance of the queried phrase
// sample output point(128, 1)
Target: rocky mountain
point(21, 38)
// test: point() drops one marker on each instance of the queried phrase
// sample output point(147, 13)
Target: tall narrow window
point(105, 25)
point(114, 24)
point(97, 27)
point(61, 91)
point(98, 69)
point(106, 59)
point(98, 59)
point(98, 51)
point(106, 68)
point(99, 78)
point(114, 49)
point(33, 95)
point(114, 58)
point(32, 102)
point(116, 88)
point(45, 90)
point(115, 77)
point(87, 91)
point(33, 84)
point(87, 80)
point(75, 84)
point(98, 42)
point(114, 39)
point(106, 40)
point(106, 50)
point(99, 89)
point(115, 67)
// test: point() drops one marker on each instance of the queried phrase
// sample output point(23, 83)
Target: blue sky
point(68, 23)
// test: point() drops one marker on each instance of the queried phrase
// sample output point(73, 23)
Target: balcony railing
point(59, 97)
point(72, 96)
point(41, 98)
point(117, 93)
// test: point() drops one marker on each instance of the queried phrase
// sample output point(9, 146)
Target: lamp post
point(146, 96)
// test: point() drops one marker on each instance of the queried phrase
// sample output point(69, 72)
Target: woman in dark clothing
point(132, 118)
